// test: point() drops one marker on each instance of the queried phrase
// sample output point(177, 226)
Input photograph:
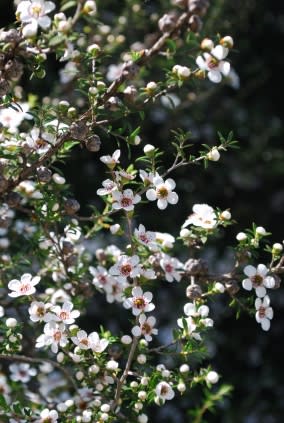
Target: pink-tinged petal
point(134, 260)
point(94, 337)
point(169, 277)
point(247, 284)
point(67, 306)
point(215, 76)
point(173, 198)
point(262, 270)
point(201, 63)
point(149, 307)
point(44, 22)
point(81, 334)
point(116, 155)
point(116, 195)
point(250, 271)
point(103, 344)
point(152, 321)
point(257, 317)
point(162, 204)
point(225, 68)
point(265, 324)
point(258, 303)
point(136, 331)
point(137, 291)
point(170, 183)
point(14, 284)
point(54, 348)
point(127, 304)
point(151, 194)
point(269, 282)
point(260, 291)
point(148, 295)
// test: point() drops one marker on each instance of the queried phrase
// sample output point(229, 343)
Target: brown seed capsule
point(67, 248)
point(79, 130)
point(167, 22)
point(11, 36)
point(232, 287)
point(71, 260)
point(113, 104)
point(4, 87)
point(196, 267)
point(2, 60)
point(193, 292)
point(13, 69)
point(3, 183)
point(195, 23)
point(198, 7)
point(71, 206)
point(93, 143)
point(44, 174)
point(180, 3)
point(277, 281)
point(13, 199)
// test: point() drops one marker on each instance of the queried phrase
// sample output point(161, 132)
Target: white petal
point(189, 309)
point(269, 313)
point(258, 303)
point(260, 291)
point(162, 204)
point(136, 331)
point(262, 270)
point(225, 68)
point(201, 63)
point(215, 76)
point(269, 282)
point(219, 52)
point(173, 198)
point(265, 324)
point(170, 183)
point(44, 22)
point(250, 271)
point(247, 284)
point(151, 194)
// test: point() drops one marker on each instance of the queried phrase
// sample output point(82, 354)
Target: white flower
point(212, 377)
point(21, 372)
point(145, 328)
point(125, 267)
point(68, 73)
point(53, 335)
point(11, 118)
point(257, 279)
point(146, 238)
point(140, 302)
point(163, 192)
point(108, 187)
point(48, 416)
point(39, 141)
point(81, 339)
point(26, 286)
point(114, 72)
point(33, 13)
point(63, 314)
point(191, 310)
point(147, 178)
point(165, 239)
point(188, 325)
point(38, 311)
point(164, 391)
point(170, 266)
point(96, 344)
point(203, 216)
point(214, 64)
point(111, 161)
point(101, 277)
point(264, 313)
point(125, 200)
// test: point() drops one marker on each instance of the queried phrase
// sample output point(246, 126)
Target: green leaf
point(68, 5)
point(3, 403)
point(57, 39)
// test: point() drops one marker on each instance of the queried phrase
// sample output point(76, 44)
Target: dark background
point(249, 181)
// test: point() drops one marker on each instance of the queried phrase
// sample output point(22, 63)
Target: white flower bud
point(184, 368)
point(212, 377)
point(137, 140)
point(184, 233)
point(60, 357)
point(260, 230)
point(141, 358)
point(105, 408)
point(181, 387)
point(58, 179)
point(277, 247)
point(94, 49)
point(90, 7)
point(112, 365)
point(142, 395)
point(114, 228)
point(219, 287)
point(138, 406)
point(214, 155)
point(166, 373)
point(99, 387)
point(133, 384)
point(79, 375)
point(69, 403)
point(207, 44)
point(61, 407)
point(150, 87)
point(126, 339)
point(226, 215)
point(149, 149)
point(144, 381)
point(227, 41)
point(142, 418)
point(104, 417)
point(11, 322)
point(12, 338)
point(241, 236)
point(94, 368)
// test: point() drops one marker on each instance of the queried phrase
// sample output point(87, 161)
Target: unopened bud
point(277, 248)
point(214, 155)
point(149, 149)
point(94, 49)
point(225, 215)
point(71, 206)
point(195, 23)
point(180, 3)
point(193, 292)
point(227, 41)
point(207, 44)
point(151, 87)
point(90, 7)
point(79, 130)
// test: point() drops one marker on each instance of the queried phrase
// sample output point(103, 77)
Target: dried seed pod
point(43, 174)
point(4, 87)
point(79, 130)
point(167, 22)
point(198, 7)
point(232, 287)
point(13, 199)
point(93, 143)
point(196, 267)
point(13, 69)
point(277, 281)
point(4, 183)
point(195, 23)
point(67, 248)
point(180, 3)
point(71, 260)
point(2, 60)
point(71, 206)
point(11, 36)
point(193, 292)
point(113, 104)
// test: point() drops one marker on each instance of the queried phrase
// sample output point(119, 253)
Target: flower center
point(40, 311)
point(257, 280)
point(84, 342)
point(169, 268)
point(162, 192)
point(139, 302)
point(36, 10)
point(261, 312)
point(125, 269)
point(144, 238)
point(125, 202)
point(146, 328)
point(63, 315)
point(164, 390)
point(212, 63)
point(40, 142)
point(57, 336)
point(25, 288)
